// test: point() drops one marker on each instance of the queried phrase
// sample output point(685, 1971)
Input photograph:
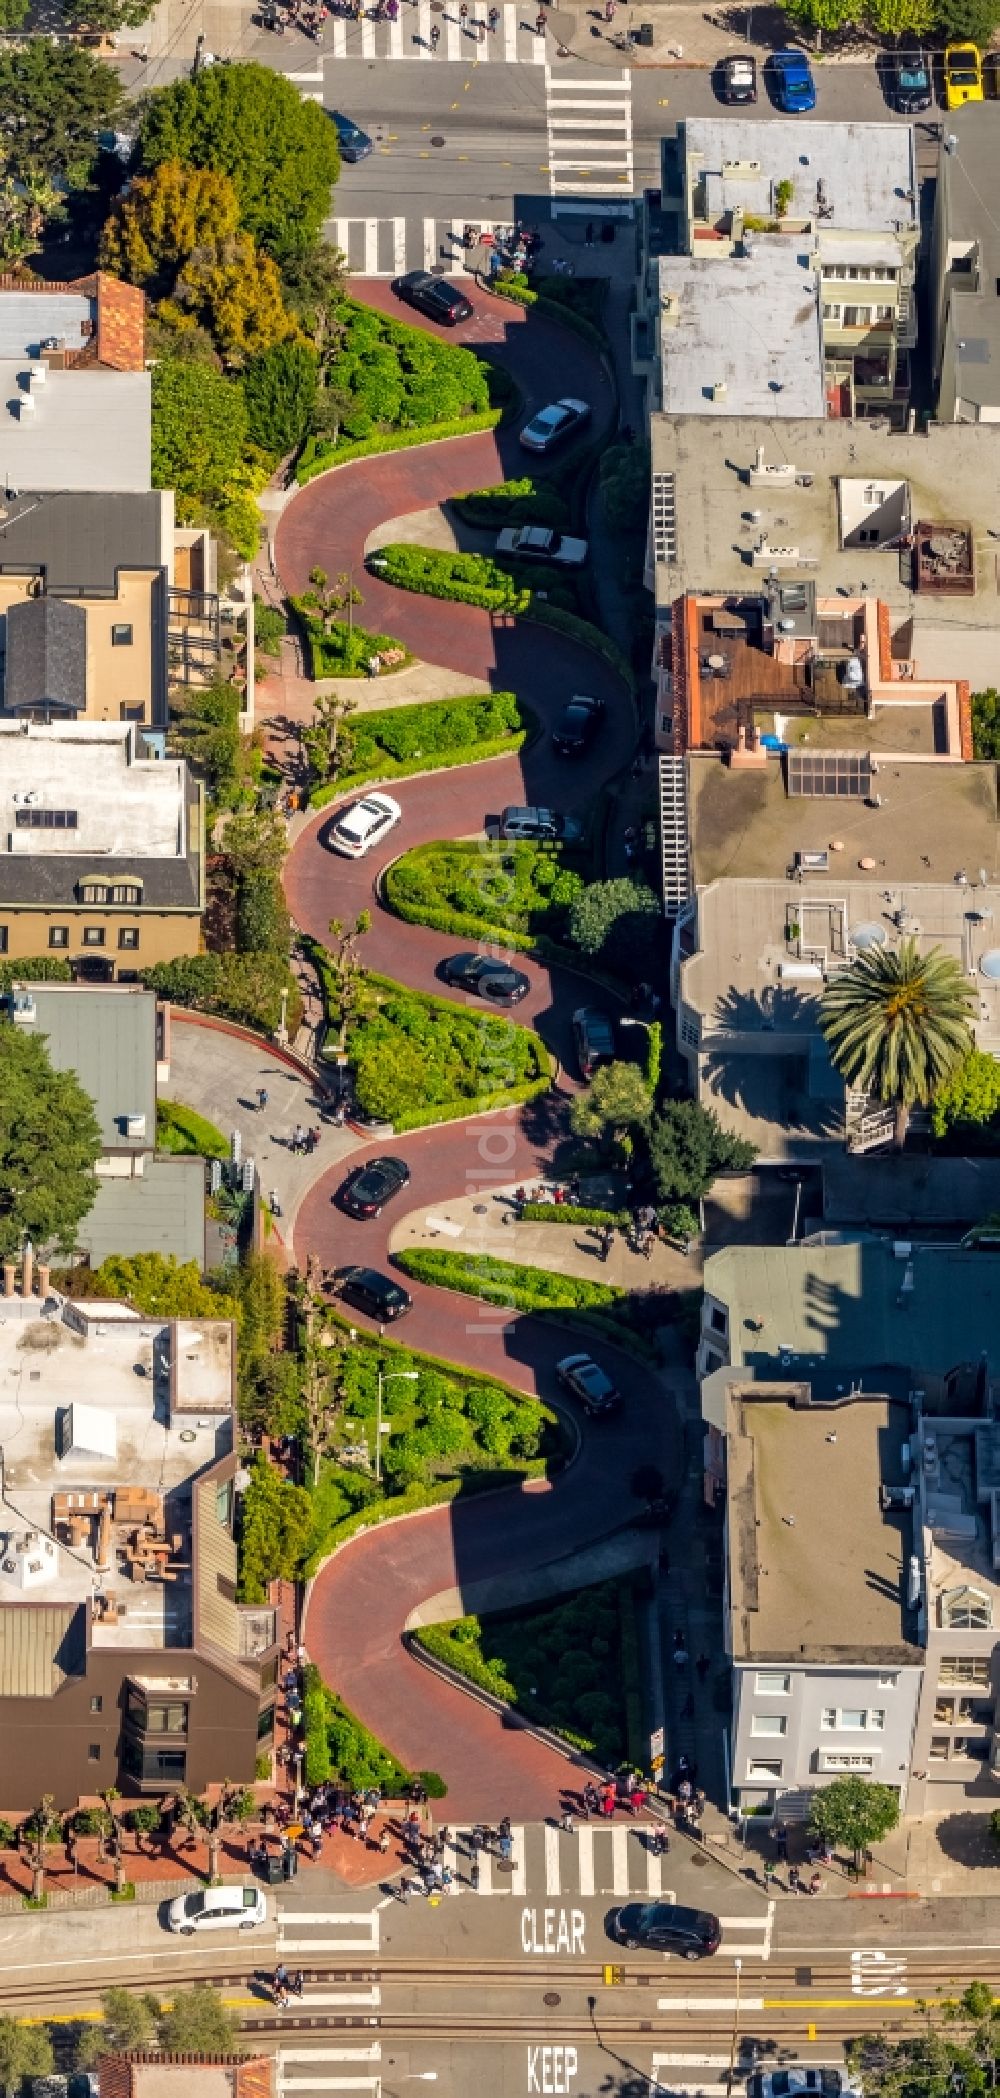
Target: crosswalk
point(389, 247)
point(588, 122)
point(514, 41)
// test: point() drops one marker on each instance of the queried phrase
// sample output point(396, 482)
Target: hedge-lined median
point(417, 1059)
point(573, 1213)
point(477, 890)
point(336, 648)
point(508, 1283)
point(526, 501)
point(464, 579)
point(319, 455)
point(430, 736)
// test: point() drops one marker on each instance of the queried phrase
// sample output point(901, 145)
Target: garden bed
point(478, 891)
point(508, 1282)
point(525, 501)
point(429, 736)
point(507, 586)
point(416, 1059)
point(572, 1666)
point(334, 648)
point(182, 1132)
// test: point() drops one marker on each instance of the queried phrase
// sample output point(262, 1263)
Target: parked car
point(434, 296)
point(738, 79)
point(582, 1376)
point(792, 85)
point(487, 978)
point(363, 825)
point(537, 543)
point(909, 87)
point(551, 425)
point(577, 725)
point(378, 1296)
point(354, 143)
point(366, 1191)
point(963, 75)
point(540, 823)
point(800, 2079)
point(667, 1926)
point(218, 1908)
point(594, 1035)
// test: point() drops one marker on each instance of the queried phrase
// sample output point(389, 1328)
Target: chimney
point(27, 1268)
point(9, 1278)
point(44, 1272)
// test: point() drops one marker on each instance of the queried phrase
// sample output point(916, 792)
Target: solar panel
point(829, 775)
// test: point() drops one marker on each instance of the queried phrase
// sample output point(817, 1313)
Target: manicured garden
point(389, 380)
point(426, 737)
point(571, 1665)
point(500, 585)
point(526, 501)
point(417, 1059)
point(475, 889)
point(342, 648)
point(508, 1282)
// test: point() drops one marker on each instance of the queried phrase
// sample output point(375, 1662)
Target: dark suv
point(594, 1035)
point(374, 1294)
point(666, 1926)
point(434, 296)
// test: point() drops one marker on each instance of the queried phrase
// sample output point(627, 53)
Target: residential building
point(125, 1659)
point(139, 2075)
point(965, 272)
point(101, 848)
point(839, 202)
point(75, 387)
point(740, 341)
point(112, 1037)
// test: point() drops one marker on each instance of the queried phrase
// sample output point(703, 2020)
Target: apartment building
point(75, 389)
point(831, 207)
point(125, 1659)
point(965, 272)
point(101, 848)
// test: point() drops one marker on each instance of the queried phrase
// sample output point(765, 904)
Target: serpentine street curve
point(360, 1603)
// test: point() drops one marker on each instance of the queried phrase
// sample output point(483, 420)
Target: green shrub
point(35, 968)
point(245, 988)
point(184, 1133)
point(319, 454)
point(418, 1059)
point(317, 1764)
point(262, 922)
point(274, 1531)
point(144, 1821)
point(357, 1759)
point(429, 736)
point(506, 1282)
point(526, 501)
point(467, 579)
point(338, 648)
point(269, 626)
point(391, 376)
point(279, 391)
point(474, 889)
point(654, 1055)
point(8, 1835)
point(572, 1213)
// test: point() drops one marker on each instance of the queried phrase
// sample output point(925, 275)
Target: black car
point(487, 977)
point(737, 79)
point(584, 1377)
point(577, 726)
point(908, 84)
point(594, 1035)
point(666, 1926)
point(366, 1191)
point(374, 1294)
point(354, 143)
point(434, 296)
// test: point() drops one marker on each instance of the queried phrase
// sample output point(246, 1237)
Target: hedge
point(589, 636)
point(463, 579)
point(511, 503)
point(319, 457)
point(458, 1109)
point(472, 754)
point(183, 1132)
point(335, 648)
point(432, 735)
point(510, 284)
point(314, 1714)
point(573, 1213)
point(506, 1282)
point(654, 1055)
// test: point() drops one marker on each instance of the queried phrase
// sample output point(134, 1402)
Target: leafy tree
point(234, 290)
point(610, 918)
point(925, 2066)
point(279, 389)
point(55, 99)
point(126, 2021)
point(821, 16)
point(13, 13)
point(972, 21)
point(314, 282)
point(854, 1811)
point(207, 733)
point(970, 1097)
point(625, 486)
point(251, 124)
point(49, 1142)
point(199, 428)
point(197, 2021)
point(986, 724)
point(328, 744)
point(106, 15)
point(25, 2050)
point(160, 1286)
point(897, 18)
point(35, 968)
point(276, 1520)
point(255, 842)
point(24, 209)
point(161, 219)
point(618, 1100)
point(262, 921)
point(241, 987)
point(897, 1024)
point(688, 1147)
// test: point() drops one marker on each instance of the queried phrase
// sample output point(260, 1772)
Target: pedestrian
point(816, 1883)
point(494, 18)
point(298, 1983)
point(540, 22)
point(794, 1880)
point(781, 1839)
point(591, 1800)
point(680, 1656)
point(608, 1799)
point(588, 238)
point(637, 1798)
point(261, 1097)
point(279, 1984)
point(566, 1821)
point(317, 1843)
point(703, 1664)
point(659, 1842)
point(770, 1873)
point(374, 665)
point(385, 1838)
point(435, 36)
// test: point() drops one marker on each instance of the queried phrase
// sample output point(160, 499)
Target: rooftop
point(711, 337)
point(791, 514)
point(837, 1314)
point(82, 428)
point(90, 320)
point(80, 541)
point(817, 1568)
point(848, 177)
point(108, 1037)
point(108, 804)
point(159, 1210)
point(964, 204)
point(959, 1474)
point(100, 1456)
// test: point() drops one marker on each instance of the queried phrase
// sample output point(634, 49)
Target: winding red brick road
point(360, 1603)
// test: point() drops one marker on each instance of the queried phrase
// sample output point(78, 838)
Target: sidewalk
point(565, 1249)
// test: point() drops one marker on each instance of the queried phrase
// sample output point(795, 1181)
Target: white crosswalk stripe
point(391, 246)
point(589, 132)
point(591, 1859)
point(690, 2074)
point(513, 42)
point(327, 1930)
point(304, 2069)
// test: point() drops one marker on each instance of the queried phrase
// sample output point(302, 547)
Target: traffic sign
point(657, 1745)
point(656, 1763)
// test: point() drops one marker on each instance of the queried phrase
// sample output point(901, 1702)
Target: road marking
point(317, 75)
point(452, 38)
point(878, 1974)
point(654, 1869)
point(396, 38)
point(399, 246)
point(485, 1872)
point(518, 1878)
point(714, 2003)
point(586, 1860)
point(552, 1884)
point(367, 38)
point(619, 1861)
point(339, 1999)
point(690, 2061)
point(371, 2053)
point(362, 1924)
point(371, 247)
point(339, 37)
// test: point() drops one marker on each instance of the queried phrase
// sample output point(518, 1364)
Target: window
point(852, 1716)
point(121, 636)
point(45, 819)
point(167, 1719)
point(769, 1723)
point(829, 1718)
point(876, 1720)
point(831, 313)
point(128, 936)
point(940, 1745)
point(165, 1763)
point(963, 1668)
point(773, 1685)
point(93, 935)
point(265, 1724)
point(975, 1750)
point(93, 892)
point(126, 892)
point(690, 1033)
point(855, 316)
point(764, 1770)
point(944, 1711)
point(97, 1704)
point(58, 935)
point(719, 1319)
point(852, 1719)
point(712, 1363)
point(966, 1609)
point(94, 1752)
point(3, 939)
point(887, 1682)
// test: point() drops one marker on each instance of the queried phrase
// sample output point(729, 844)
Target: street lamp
point(385, 1377)
point(738, 1968)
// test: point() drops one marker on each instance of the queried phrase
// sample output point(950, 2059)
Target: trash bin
point(273, 1873)
point(289, 1862)
point(645, 35)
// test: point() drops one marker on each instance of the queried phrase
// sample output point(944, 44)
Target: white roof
point(93, 1430)
point(751, 325)
point(867, 171)
point(86, 429)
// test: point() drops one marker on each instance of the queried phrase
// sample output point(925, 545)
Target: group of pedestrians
point(284, 1986)
point(303, 1140)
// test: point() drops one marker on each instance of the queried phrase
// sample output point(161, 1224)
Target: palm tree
point(897, 1023)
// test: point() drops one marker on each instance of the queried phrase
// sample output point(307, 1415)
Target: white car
point(364, 824)
point(802, 2080)
point(217, 1908)
point(550, 425)
point(536, 543)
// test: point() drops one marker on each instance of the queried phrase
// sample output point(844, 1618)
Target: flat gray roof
point(89, 429)
point(29, 318)
point(865, 172)
point(774, 367)
point(80, 541)
point(817, 1568)
point(965, 206)
point(108, 1037)
point(953, 472)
